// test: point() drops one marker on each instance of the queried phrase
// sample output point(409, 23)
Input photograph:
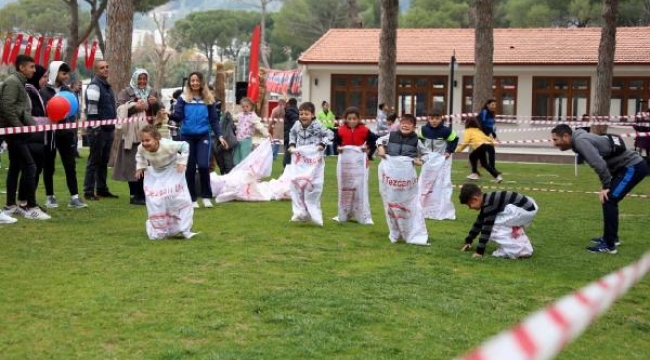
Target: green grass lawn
point(88, 284)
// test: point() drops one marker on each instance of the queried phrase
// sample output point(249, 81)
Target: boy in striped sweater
point(502, 218)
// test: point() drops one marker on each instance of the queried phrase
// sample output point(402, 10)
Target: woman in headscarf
point(141, 101)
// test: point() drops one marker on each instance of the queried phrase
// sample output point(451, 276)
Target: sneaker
point(498, 179)
point(36, 213)
point(189, 234)
point(602, 248)
point(77, 203)
point(51, 202)
point(6, 219)
point(137, 201)
point(473, 176)
point(600, 239)
point(13, 210)
point(195, 205)
point(107, 194)
point(207, 203)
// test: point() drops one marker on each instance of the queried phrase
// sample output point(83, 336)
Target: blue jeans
point(276, 148)
point(200, 151)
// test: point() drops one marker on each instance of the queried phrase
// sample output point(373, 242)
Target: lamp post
point(452, 84)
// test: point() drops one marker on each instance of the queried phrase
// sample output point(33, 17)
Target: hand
point(223, 142)
point(447, 155)
point(417, 162)
point(466, 247)
point(603, 195)
point(339, 149)
point(320, 148)
point(477, 255)
point(139, 174)
point(291, 150)
point(152, 100)
point(180, 168)
point(381, 152)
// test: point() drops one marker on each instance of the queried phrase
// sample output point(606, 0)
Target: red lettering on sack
point(398, 183)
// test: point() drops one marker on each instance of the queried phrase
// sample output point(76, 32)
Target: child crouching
point(502, 217)
point(169, 205)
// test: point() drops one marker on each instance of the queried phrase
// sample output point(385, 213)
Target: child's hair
point(391, 118)
point(381, 106)
point(249, 101)
point(324, 103)
point(488, 102)
point(435, 114)
point(468, 191)
point(151, 130)
point(351, 110)
point(292, 102)
point(472, 123)
point(307, 106)
point(409, 118)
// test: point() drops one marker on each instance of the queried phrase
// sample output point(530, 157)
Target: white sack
point(508, 232)
point(169, 205)
point(436, 188)
point(398, 186)
point(307, 184)
point(352, 176)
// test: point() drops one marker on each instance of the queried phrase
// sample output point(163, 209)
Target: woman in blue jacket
point(487, 119)
point(198, 117)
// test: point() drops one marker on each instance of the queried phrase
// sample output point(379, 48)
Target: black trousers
point(64, 142)
point(485, 154)
point(21, 163)
point(100, 141)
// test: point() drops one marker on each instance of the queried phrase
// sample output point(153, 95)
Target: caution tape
point(45, 125)
point(493, 187)
point(544, 334)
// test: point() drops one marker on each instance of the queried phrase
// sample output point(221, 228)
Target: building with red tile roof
point(549, 72)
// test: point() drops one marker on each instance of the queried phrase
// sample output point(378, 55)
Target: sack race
point(398, 186)
point(509, 235)
point(307, 184)
point(280, 188)
point(352, 176)
point(169, 205)
point(436, 188)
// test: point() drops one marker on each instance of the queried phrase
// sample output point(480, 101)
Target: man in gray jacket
point(16, 111)
point(618, 168)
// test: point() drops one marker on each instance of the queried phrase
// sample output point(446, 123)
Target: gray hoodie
point(596, 149)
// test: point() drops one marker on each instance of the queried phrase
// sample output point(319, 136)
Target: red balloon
point(58, 108)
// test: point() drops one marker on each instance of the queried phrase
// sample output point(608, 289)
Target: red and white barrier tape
point(492, 187)
point(544, 334)
point(44, 125)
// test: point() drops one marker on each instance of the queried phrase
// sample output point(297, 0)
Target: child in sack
point(246, 123)
point(169, 204)
point(502, 217)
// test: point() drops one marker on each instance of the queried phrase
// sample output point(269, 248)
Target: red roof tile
point(511, 46)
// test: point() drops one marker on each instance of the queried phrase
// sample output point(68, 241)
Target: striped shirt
point(493, 204)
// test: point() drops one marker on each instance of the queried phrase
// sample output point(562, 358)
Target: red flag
point(48, 52)
point(57, 52)
point(7, 48)
point(90, 57)
point(73, 61)
point(253, 91)
point(37, 52)
point(16, 48)
point(28, 47)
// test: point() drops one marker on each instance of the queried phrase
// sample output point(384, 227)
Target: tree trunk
point(353, 15)
point(100, 37)
point(388, 51)
point(119, 30)
point(606, 49)
point(75, 38)
point(483, 53)
point(264, 47)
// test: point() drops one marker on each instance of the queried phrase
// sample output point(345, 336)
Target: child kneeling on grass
point(169, 204)
point(502, 218)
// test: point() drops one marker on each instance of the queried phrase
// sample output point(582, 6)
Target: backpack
point(617, 145)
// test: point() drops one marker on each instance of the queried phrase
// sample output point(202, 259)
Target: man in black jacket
point(290, 117)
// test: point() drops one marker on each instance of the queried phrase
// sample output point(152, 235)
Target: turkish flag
point(7, 48)
point(253, 91)
point(37, 52)
point(16, 48)
point(73, 61)
point(48, 52)
point(28, 47)
point(59, 47)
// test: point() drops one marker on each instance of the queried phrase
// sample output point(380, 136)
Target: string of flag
point(43, 47)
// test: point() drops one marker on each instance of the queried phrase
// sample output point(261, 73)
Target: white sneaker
point(51, 202)
point(195, 205)
point(13, 210)
point(498, 179)
point(6, 219)
point(473, 176)
point(207, 203)
point(189, 234)
point(36, 213)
